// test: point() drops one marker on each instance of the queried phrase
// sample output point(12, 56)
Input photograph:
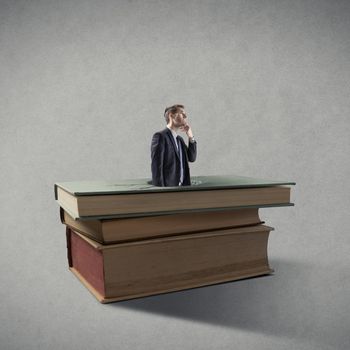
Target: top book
point(97, 199)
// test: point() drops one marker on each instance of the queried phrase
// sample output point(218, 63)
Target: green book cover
point(133, 186)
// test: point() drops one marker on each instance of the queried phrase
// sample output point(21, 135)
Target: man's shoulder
point(161, 133)
point(159, 137)
point(165, 131)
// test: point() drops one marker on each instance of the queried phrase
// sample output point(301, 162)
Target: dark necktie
point(181, 162)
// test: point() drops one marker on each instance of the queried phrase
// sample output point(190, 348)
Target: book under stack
point(130, 239)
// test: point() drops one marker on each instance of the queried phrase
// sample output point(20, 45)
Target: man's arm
point(157, 156)
point(192, 150)
point(192, 144)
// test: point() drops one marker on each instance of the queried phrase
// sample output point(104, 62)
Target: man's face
point(179, 118)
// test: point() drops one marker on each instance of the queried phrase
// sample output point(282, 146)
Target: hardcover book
point(135, 269)
point(103, 200)
point(107, 231)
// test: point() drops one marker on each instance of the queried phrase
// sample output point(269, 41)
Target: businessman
point(169, 153)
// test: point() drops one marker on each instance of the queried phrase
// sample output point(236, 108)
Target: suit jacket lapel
point(170, 135)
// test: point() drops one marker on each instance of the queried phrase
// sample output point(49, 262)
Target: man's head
point(175, 115)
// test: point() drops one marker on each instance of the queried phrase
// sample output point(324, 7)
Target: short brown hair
point(171, 109)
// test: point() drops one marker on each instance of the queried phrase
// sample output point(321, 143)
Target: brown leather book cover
point(135, 269)
point(137, 228)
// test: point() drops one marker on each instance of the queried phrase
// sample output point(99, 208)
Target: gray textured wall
point(83, 85)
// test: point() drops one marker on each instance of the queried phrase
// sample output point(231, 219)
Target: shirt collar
point(173, 132)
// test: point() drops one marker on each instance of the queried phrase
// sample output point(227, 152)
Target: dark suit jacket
point(166, 166)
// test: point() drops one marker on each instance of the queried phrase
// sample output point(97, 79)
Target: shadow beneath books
point(284, 304)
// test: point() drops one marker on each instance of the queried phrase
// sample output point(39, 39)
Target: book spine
point(62, 216)
point(87, 259)
point(69, 247)
point(55, 189)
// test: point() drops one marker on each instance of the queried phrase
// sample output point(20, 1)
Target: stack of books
point(129, 239)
